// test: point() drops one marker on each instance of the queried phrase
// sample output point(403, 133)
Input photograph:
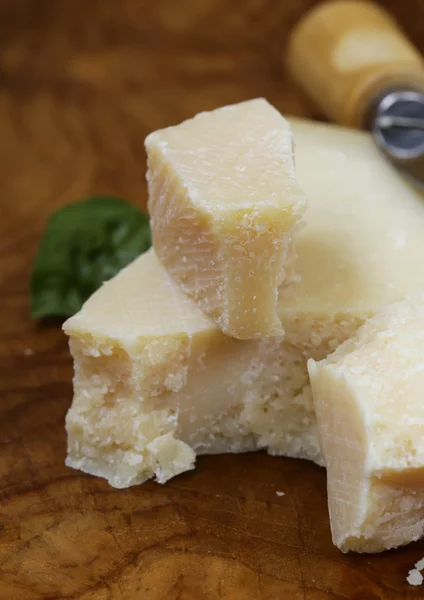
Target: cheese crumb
point(420, 565)
point(414, 577)
point(280, 493)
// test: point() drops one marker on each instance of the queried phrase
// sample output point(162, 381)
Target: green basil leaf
point(85, 244)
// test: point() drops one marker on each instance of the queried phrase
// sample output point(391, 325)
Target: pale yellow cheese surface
point(223, 202)
point(363, 240)
point(369, 399)
point(149, 364)
point(143, 384)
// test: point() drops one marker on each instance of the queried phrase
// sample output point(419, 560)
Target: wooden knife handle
point(344, 53)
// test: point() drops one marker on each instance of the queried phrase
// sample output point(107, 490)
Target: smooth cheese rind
point(148, 362)
point(360, 246)
point(223, 202)
point(369, 401)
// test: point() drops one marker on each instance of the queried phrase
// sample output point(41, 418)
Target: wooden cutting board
point(81, 84)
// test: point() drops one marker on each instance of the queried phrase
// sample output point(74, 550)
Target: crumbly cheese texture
point(223, 202)
point(157, 382)
point(414, 577)
point(369, 401)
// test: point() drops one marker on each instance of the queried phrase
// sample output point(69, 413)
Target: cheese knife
point(355, 63)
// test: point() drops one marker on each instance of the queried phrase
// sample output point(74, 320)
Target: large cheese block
point(156, 381)
point(369, 399)
point(223, 203)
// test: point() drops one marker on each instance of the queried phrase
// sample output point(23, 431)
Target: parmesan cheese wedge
point(369, 399)
point(157, 382)
point(223, 202)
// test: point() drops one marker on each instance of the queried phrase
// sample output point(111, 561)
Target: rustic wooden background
point(81, 84)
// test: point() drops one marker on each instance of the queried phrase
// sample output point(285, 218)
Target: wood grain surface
point(81, 84)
